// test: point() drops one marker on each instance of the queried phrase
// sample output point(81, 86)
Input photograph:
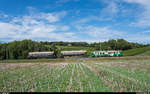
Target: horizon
point(75, 20)
point(74, 41)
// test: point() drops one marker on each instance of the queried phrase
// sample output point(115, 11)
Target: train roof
point(73, 52)
point(41, 52)
point(109, 51)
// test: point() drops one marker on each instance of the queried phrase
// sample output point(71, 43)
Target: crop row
point(123, 79)
point(76, 77)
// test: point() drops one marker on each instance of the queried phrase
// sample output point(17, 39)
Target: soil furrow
point(70, 82)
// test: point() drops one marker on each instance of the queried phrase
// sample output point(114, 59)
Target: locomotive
point(106, 53)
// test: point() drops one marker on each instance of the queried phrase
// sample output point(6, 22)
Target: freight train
point(80, 53)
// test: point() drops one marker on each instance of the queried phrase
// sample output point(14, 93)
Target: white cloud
point(7, 30)
point(143, 18)
point(48, 26)
point(107, 13)
point(103, 33)
point(49, 17)
point(96, 33)
point(147, 31)
point(35, 31)
point(52, 17)
point(83, 20)
point(138, 37)
point(3, 15)
point(64, 28)
point(110, 10)
point(38, 26)
point(143, 2)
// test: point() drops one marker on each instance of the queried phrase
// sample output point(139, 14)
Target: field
point(91, 76)
point(144, 54)
point(144, 51)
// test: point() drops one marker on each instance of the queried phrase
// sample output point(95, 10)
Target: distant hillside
point(144, 51)
point(145, 54)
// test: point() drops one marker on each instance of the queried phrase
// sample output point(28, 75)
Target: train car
point(106, 53)
point(74, 53)
point(34, 55)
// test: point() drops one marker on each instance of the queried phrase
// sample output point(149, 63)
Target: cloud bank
point(109, 23)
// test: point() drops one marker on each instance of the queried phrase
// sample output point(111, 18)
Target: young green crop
point(119, 76)
point(124, 79)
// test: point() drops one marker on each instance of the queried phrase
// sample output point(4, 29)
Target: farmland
point(103, 76)
point(143, 51)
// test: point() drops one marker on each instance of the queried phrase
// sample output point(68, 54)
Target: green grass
point(136, 51)
point(110, 76)
point(144, 54)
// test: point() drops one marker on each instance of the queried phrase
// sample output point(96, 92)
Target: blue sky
point(75, 20)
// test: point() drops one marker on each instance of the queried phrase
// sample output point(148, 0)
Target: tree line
point(119, 44)
point(61, 43)
point(20, 49)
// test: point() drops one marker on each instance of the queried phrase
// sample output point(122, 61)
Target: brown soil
point(70, 82)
